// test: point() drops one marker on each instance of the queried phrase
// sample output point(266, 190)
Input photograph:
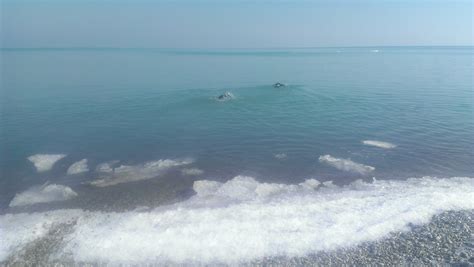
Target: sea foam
point(78, 167)
point(44, 162)
point(132, 173)
point(346, 165)
point(106, 167)
point(42, 194)
point(380, 144)
point(17, 230)
point(242, 220)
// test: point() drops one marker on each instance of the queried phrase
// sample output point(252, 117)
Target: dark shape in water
point(278, 85)
point(225, 96)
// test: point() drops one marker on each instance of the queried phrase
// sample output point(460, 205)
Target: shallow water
point(138, 126)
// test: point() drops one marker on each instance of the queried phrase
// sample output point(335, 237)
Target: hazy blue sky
point(235, 23)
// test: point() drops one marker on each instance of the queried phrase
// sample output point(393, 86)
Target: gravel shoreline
point(447, 240)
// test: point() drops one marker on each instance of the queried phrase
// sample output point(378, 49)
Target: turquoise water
point(137, 105)
point(126, 156)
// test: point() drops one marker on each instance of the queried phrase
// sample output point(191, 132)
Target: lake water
point(149, 119)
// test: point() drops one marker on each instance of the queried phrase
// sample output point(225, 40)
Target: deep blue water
point(138, 105)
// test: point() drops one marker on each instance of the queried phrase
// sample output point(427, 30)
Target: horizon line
point(221, 48)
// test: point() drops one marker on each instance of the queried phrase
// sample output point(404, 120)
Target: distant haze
point(235, 24)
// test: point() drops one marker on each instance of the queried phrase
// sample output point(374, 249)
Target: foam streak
point(346, 165)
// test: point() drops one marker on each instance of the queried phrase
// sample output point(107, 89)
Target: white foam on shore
point(243, 188)
point(132, 173)
point(380, 144)
point(346, 165)
point(192, 171)
point(17, 230)
point(242, 220)
point(45, 162)
point(78, 167)
point(42, 194)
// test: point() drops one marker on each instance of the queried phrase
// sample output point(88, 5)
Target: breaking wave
point(242, 220)
point(346, 165)
point(45, 162)
point(42, 194)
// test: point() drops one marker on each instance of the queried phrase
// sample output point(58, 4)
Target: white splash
point(192, 171)
point(43, 194)
point(225, 96)
point(78, 167)
point(45, 162)
point(346, 165)
point(380, 144)
point(132, 173)
point(242, 220)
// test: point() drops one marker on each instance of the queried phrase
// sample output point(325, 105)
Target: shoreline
point(447, 239)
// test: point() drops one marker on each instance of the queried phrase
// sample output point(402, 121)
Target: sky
point(235, 23)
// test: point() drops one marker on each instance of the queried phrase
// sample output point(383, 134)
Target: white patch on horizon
point(280, 156)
